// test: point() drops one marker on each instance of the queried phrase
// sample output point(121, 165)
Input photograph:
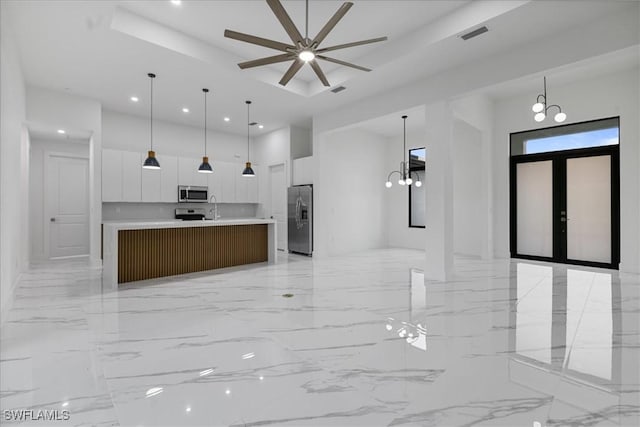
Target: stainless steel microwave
point(192, 194)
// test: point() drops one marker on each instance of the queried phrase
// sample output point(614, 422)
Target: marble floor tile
point(364, 340)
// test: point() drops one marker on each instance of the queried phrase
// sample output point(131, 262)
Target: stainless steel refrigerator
point(300, 219)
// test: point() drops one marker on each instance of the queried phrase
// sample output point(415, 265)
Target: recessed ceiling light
point(61, 131)
point(176, 2)
point(134, 99)
point(185, 110)
point(261, 126)
point(226, 119)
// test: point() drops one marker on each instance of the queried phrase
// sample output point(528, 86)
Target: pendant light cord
point(151, 122)
point(306, 34)
point(205, 120)
point(404, 145)
point(248, 127)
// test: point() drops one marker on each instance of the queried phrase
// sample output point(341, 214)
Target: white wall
point(351, 213)
point(467, 189)
point(400, 235)
point(52, 110)
point(614, 94)
point(37, 220)
point(272, 149)
point(14, 167)
point(131, 133)
point(300, 143)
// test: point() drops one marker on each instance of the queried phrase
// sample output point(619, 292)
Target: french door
point(565, 206)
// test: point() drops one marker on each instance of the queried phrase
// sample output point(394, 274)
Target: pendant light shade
point(248, 171)
point(151, 162)
point(205, 167)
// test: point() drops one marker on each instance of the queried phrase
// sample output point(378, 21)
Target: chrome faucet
point(213, 212)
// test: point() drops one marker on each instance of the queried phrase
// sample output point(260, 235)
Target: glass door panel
point(534, 196)
point(588, 213)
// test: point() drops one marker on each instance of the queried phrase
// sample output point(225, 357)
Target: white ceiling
point(104, 50)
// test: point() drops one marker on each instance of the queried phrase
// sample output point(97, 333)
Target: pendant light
point(205, 167)
point(248, 172)
point(404, 172)
point(541, 108)
point(151, 162)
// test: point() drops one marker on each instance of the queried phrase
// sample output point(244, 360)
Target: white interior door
point(67, 205)
point(535, 208)
point(589, 209)
point(278, 194)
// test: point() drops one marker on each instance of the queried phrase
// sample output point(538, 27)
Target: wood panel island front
point(140, 250)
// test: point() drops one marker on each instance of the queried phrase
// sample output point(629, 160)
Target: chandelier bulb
point(401, 181)
point(560, 117)
point(418, 183)
point(539, 117)
point(409, 181)
point(388, 184)
point(537, 107)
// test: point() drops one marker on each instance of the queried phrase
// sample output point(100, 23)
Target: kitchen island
point(140, 250)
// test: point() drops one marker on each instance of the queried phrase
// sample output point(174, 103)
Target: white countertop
point(175, 223)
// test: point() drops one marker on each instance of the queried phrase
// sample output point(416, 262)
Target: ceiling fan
point(303, 50)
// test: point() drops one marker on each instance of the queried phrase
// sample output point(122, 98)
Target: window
point(417, 201)
point(596, 133)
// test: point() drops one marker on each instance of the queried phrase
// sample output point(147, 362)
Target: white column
point(439, 191)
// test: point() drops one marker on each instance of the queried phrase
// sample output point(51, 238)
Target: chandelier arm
point(544, 99)
point(554, 105)
point(391, 174)
point(417, 174)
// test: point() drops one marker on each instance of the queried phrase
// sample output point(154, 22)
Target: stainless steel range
point(191, 214)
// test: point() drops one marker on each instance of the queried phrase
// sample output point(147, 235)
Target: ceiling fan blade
point(258, 40)
point(346, 45)
point(265, 61)
point(331, 23)
point(295, 67)
point(319, 73)
point(346, 64)
point(285, 20)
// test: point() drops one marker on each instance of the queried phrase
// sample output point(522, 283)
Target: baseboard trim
point(626, 268)
point(7, 303)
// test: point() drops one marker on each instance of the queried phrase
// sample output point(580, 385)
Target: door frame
point(46, 226)
point(287, 184)
point(559, 159)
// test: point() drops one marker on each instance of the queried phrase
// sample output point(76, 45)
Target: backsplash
point(151, 211)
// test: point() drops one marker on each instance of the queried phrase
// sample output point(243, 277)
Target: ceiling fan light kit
point(303, 50)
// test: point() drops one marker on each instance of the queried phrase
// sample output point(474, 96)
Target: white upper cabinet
point(188, 172)
point(124, 179)
point(169, 179)
point(111, 175)
point(131, 176)
point(227, 182)
point(151, 183)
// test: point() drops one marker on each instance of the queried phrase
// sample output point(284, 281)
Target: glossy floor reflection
point(363, 341)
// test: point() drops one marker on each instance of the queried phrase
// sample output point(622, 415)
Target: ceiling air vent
point(474, 33)
point(338, 89)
